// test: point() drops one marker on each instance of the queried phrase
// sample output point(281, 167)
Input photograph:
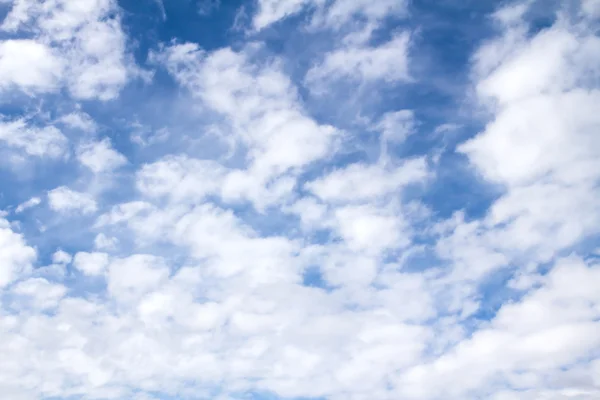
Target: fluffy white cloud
point(62, 199)
point(541, 144)
point(46, 141)
point(134, 276)
point(86, 49)
point(92, 264)
point(29, 65)
point(61, 257)
point(39, 293)
point(263, 114)
point(180, 178)
point(553, 326)
point(360, 182)
point(103, 242)
point(15, 256)
point(303, 264)
point(100, 156)
point(79, 120)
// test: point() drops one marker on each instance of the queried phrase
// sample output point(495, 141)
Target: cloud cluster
point(301, 259)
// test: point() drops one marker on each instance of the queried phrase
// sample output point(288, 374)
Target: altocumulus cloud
point(284, 199)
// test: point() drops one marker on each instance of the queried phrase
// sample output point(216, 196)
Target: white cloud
point(271, 11)
point(47, 141)
point(40, 293)
point(79, 120)
point(29, 65)
point(132, 277)
point(360, 182)
point(61, 257)
point(92, 264)
point(328, 14)
point(342, 12)
point(100, 156)
point(180, 178)
point(124, 212)
point(103, 242)
point(541, 144)
point(262, 113)
point(62, 199)
point(551, 327)
point(32, 202)
point(367, 294)
point(365, 228)
point(387, 62)
point(15, 256)
point(87, 35)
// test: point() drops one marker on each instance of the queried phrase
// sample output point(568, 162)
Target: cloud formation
point(319, 218)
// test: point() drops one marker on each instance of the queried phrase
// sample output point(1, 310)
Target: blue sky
point(299, 199)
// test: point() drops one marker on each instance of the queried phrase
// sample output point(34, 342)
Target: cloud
point(32, 202)
point(29, 65)
point(271, 11)
point(262, 112)
point(136, 275)
point(47, 141)
point(100, 157)
point(78, 46)
point(360, 182)
point(387, 62)
point(16, 257)
point(330, 15)
point(40, 293)
point(551, 327)
point(61, 257)
point(79, 120)
point(540, 144)
point(91, 264)
point(64, 200)
point(307, 249)
point(103, 242)
point(180, 178)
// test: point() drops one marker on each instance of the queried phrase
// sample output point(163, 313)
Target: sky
point(299, 199)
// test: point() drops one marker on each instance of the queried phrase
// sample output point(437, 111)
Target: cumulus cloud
point(91, 263)
point(263, 113)
point(29, 65)
point(298, 254)
point(16, 257)
point(64, 200)
point(47, 141)
point(100, 156)
point(80, 46)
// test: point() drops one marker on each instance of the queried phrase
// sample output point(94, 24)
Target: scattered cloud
point(280, 214)
point(64, 200)
point(387, 62)
point(32, 202)
point(47, 141)
point(100, 156)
